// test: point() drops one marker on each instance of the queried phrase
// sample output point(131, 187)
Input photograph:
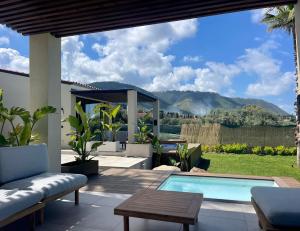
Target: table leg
point(186, 227)
point(126, 223)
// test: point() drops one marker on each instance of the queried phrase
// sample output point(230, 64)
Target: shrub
point(280, 150)
point(292, 151)
point(268, 150)
point(236, 148)
point(258, 150)
point(216, 148)
point(205, 148)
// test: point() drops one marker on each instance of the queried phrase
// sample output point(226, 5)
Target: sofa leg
point(77, 197)
point(41, 216)
point(32, 222)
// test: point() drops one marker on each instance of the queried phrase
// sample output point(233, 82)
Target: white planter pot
point(108, 146)
point(139, 150)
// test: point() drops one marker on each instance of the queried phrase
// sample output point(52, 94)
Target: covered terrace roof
point(113, 96)
point(72, 17)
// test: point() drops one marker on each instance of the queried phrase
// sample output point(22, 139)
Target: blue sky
point(232, 54)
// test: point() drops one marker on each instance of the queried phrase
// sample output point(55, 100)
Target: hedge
point(245, 149)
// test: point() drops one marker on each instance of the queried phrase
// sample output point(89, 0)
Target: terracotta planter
point(86, 168)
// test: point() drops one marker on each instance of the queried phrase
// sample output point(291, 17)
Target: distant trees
point(250, 115)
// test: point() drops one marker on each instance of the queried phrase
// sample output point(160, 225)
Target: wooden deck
point(129, 181)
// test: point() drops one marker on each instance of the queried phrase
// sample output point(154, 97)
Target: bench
point(26, 169)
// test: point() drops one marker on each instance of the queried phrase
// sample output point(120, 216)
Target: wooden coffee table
point(168, 206)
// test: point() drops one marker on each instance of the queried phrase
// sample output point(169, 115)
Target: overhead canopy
point(72, 17)
point(113, 96)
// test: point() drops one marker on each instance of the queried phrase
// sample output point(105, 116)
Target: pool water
point(215, 187)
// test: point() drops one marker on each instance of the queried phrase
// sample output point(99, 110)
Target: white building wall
point(17, 93)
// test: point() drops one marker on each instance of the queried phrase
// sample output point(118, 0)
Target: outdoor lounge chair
point(28, 170)
point(277, 209)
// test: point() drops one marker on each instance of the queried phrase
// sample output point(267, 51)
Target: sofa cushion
point(281, 206)
point(49, 184)
point(14, 201)
point(21, 162)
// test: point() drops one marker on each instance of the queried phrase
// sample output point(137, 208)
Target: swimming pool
point(215, 187)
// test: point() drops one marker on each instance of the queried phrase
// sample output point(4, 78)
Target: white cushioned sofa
point(26, 183)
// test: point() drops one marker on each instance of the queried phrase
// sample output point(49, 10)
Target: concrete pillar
point(156, 121)
point(45, 89)
point(297, 40)
point(132, 114)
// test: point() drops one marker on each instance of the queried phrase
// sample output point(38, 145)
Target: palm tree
point(283, 18)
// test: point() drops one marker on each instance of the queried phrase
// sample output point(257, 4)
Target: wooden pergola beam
point(70, 17)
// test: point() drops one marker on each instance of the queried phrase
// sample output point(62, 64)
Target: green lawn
point(250, 164)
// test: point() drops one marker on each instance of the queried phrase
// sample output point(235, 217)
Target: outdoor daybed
point(277, 209)
point(28, 170)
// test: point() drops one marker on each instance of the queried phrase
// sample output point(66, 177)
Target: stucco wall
point(17, 93)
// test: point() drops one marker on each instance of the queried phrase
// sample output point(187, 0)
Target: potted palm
point(142, 147)
point(80, 135)
point(22, 124)
point(109, 114)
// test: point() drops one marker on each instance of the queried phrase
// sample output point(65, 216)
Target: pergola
point(46, 21)
point(129, 96)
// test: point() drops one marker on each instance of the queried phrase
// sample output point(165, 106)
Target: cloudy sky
point(231, 54)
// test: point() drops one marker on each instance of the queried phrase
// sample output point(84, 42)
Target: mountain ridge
point(194, 102)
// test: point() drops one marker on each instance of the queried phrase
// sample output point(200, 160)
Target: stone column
point(132, 114)
point(45, 89)
point(156, 119)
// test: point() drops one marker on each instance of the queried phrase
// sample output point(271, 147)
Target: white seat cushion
point(49, 184)
point(14, 201)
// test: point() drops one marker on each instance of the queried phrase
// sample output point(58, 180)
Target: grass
point(250, 164)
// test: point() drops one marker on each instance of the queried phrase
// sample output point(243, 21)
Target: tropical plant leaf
point(75, 123)
point(114, 111)
point(42, 112)
point(3, 141)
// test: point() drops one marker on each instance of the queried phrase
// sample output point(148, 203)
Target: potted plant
point(22, 124)
point(109, 114)
point(142, 147)
point(80, 135)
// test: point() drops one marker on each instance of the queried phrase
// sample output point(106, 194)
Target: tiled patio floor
point(95, 212)
point(111, 187)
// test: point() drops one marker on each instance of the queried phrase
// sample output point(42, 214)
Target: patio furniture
point(15, 205)
point(277, 209)
point(28, 170)
point(168, 206)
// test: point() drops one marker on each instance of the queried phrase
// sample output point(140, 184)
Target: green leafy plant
point(81, 134)
point(158, 149)
point(142, 136)
point(205, 148)
point(21, 133)
point(268, 150)
point(280, 150)
point(109, 114)
point(236, 148)
point(184, 154)
point(258, 150)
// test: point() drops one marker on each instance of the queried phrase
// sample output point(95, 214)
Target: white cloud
point(12, 60)
point(260, 63)
point(133, 55)
point(138, 56)
point(4, 40)
point(257, 15)
point(192, 59)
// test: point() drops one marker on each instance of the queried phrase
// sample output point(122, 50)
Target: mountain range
point(194, 102)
